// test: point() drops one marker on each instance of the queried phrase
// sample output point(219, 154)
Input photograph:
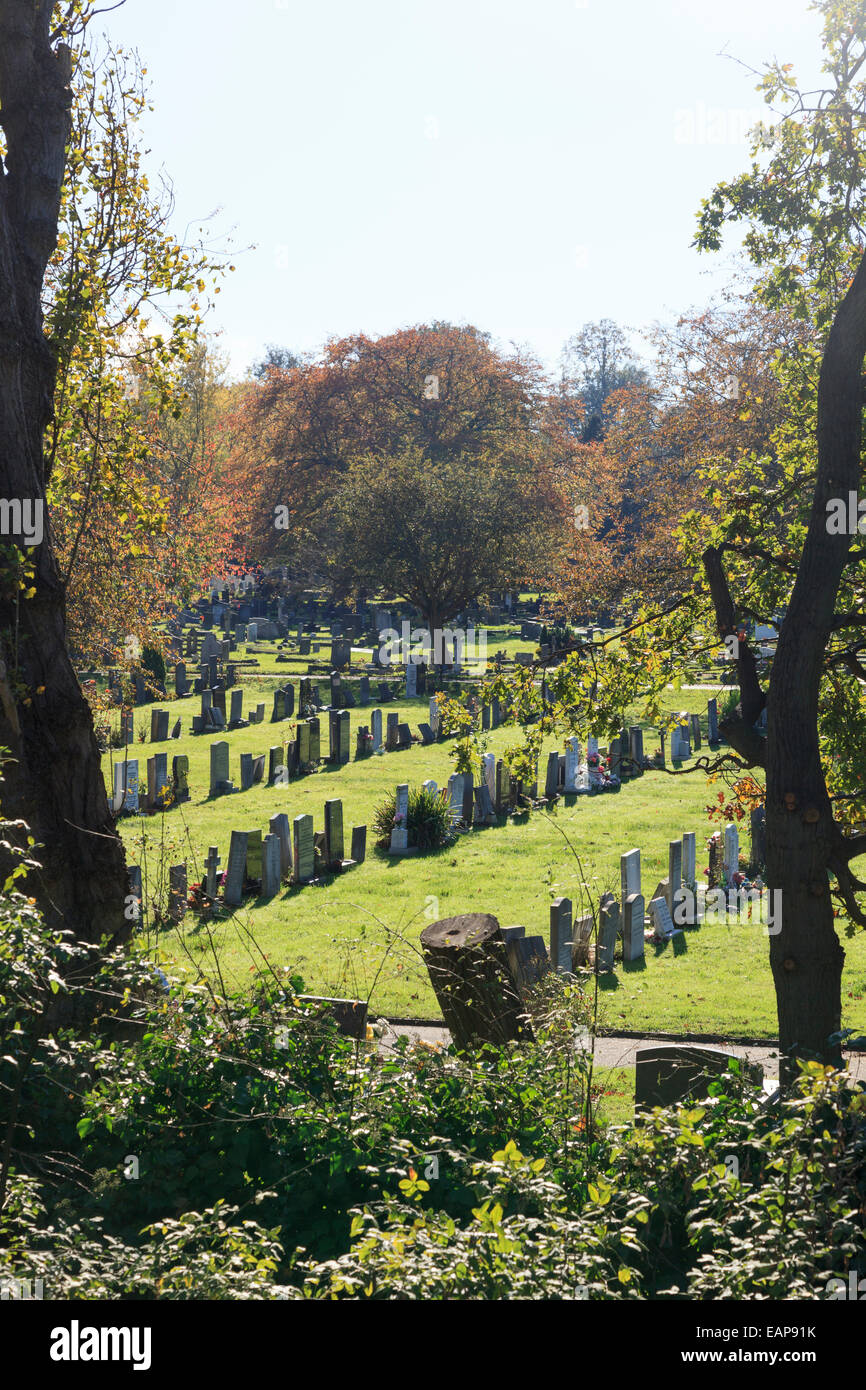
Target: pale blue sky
point(523, 165)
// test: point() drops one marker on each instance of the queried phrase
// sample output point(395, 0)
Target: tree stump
point(477, 993)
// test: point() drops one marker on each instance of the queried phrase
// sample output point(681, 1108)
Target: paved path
point(617, 1051)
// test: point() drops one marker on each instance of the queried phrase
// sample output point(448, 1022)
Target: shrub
point(430, 821)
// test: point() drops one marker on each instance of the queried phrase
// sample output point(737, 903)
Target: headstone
point(181, 686)
point(158, 786)
point(400, 831)
point(344, 751)
point(364, 691)
point(211, 865)
point(289, 693)
point(561, 935)
point(675, 872)
point(671, 1073)
point(237, 708)
point(255, 856)
point(359, 843)
point(392, 735)
point(376, 729)
point(689, 860)
point(581, 939)
point(488, 774)
point(334, 851)
point(271, 866)
point(629, 871)
point(433, 716)
point(572, 765)
point(304, 744)
point(219, 768)
point(427, 734)
point(279, 826)
point(258, 768)
point(411, 681)
point(632, 928)
point(404, 736)
point(177, 891)
point(732, 852)
point(304, 851)
point(758, 829)
point(279, 710)
point(551, 781)
point(610, 922)
point(236, 871)
point(180, 777)
point(246, 771)
point(660, 916)
point(125, 798)
point(635, 748)
point(695, 728)
point(712, 721)
point(527, 956)
point(485, 812)
point(315, 740)
point(158, 725)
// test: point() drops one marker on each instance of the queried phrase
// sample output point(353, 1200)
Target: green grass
point(358, 933)
point(613, 1092)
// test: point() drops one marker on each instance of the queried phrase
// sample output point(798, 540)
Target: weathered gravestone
point(670, 1073)
point(236, 870)
point(211, 865)
point(359, 843)
point(608, 931)
point(304, 849)
point(279, 826)
point(304, 750)
point(180, 777)
point(629, 870)
point(334, 834)
point(527, 957)
point(561, 935)
point(219, 769)
point(633, 944)
point(177, 891)
point(255, 853)
point(400, 830)
point(660, 916)
point(246, 771)
point(551, 781)
point(712, 721)
point(125, 792)
point(158, 725)
point(158, 785)
point(675, 872)
point(271, 866)
point(468, 966)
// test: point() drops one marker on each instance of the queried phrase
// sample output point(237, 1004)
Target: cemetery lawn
point(357, 934)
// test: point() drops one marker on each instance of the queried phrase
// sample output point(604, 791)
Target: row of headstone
point(162, 790)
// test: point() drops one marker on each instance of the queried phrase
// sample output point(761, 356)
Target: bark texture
point(55, 782)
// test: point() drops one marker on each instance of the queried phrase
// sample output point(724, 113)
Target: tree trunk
point(55, 783)
point(806, 956)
